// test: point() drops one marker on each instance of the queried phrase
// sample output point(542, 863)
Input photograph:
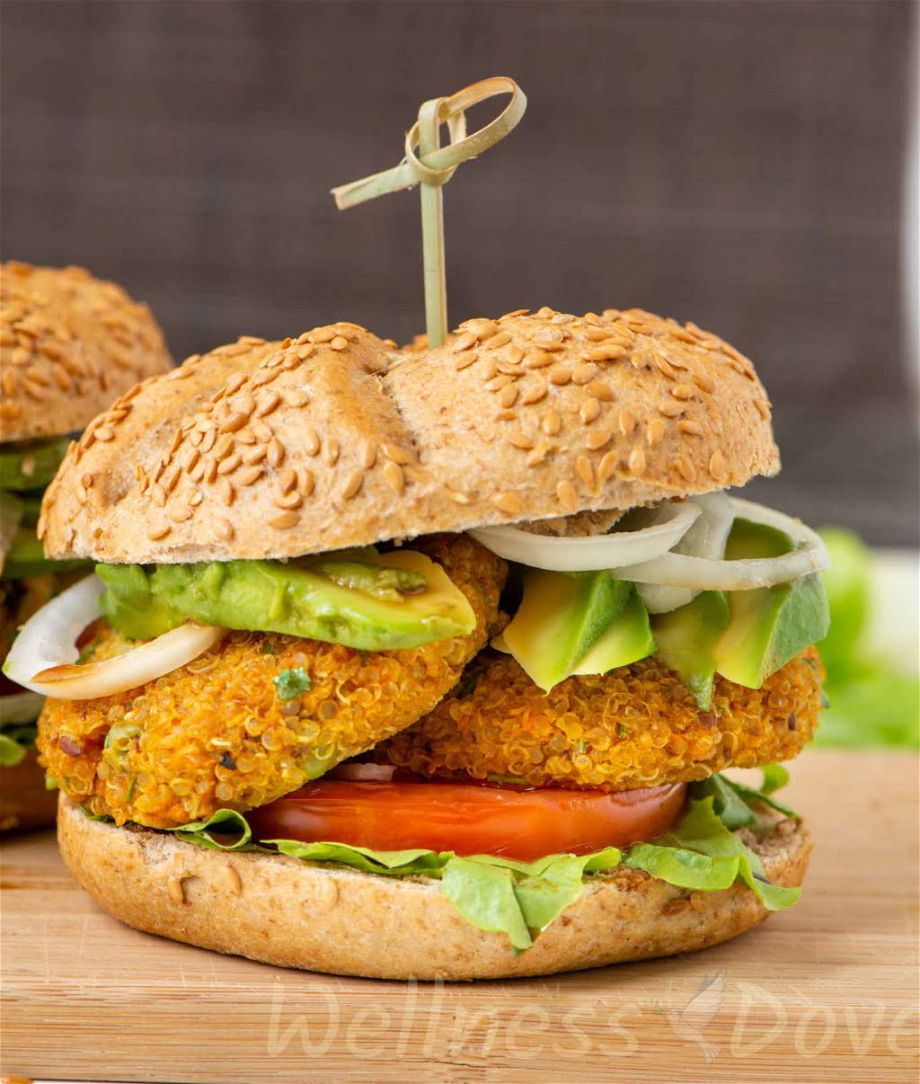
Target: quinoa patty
point(216, 733)
point(636, 726)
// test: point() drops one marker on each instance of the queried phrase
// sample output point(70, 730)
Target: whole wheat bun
point(290, 913)
point(335, 439)
point(25, 801)
point(69, 343)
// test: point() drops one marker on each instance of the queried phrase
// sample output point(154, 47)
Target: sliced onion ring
point(43, 653)
point(706, 538)
point(699, 573)
point(360, 772)
point(587, 554)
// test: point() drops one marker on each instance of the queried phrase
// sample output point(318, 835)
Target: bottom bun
point(25, 801)
point(290, 913)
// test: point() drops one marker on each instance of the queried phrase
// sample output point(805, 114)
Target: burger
point(428, 664)
point(68, 343)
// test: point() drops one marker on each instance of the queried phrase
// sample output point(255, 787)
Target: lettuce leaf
point(501, 895)
point(520, 899)
point(701, 833)
point(15, 742)
point(226, 823)
point(775, 777)
point(384, 863)
point(733, 801)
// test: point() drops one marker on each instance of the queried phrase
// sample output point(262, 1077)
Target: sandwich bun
point(336, 439)
point(69, 343)
point(320, 917)
point(25, 801)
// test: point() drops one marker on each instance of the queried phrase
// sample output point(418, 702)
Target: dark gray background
point(735, 163)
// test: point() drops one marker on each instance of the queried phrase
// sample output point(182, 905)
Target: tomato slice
point(467, 818)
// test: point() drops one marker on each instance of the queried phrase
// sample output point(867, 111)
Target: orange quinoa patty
point(637, 726)
point(216, 734)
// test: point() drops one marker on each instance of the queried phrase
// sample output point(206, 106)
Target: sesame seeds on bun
point(335, 439)
point(68, 343)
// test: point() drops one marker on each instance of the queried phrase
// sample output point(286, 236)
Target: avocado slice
point(296, 599)
point(626, 639)
point(26, 557)
point(768, 626)
point(390, 583)
point(31, 504)
point(31, 466)
point(575, 623)
point(686, 639)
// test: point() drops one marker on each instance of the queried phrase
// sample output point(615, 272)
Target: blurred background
point(741, 164)
point(736, 163)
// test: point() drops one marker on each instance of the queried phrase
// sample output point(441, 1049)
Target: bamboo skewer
point(431, 166)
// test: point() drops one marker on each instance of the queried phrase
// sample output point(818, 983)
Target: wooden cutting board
point(824, 992)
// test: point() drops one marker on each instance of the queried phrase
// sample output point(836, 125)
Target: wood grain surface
point(824, 992)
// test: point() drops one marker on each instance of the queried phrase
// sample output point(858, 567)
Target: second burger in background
point(427, 664)
point(69, 343)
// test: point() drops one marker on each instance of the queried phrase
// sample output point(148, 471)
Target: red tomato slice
point(468, 818)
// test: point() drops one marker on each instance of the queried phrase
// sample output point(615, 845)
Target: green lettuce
point(383, 863)
point(703, 853)
point(225, 830)
point(872, 702)
point(15, 742)
point(520, 899)
point(733, 801)
point(515, 898)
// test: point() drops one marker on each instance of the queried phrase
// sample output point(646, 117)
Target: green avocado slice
point(31, 466)
point(626, 639)
point(361, 609)
point(576, 623)
point(768, 626)
point(26, 558)
point(686, 639)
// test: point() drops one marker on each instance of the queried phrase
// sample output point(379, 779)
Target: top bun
point(68, 344)
point(334, 439)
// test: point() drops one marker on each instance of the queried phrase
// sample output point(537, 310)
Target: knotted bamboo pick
point(431, 166)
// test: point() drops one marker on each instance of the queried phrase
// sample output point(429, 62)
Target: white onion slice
point(49, 637)
point(589, 553)
point(43, 653)
point(20, 708)
point(363, 773)
point(702, 574)
point(706, 538)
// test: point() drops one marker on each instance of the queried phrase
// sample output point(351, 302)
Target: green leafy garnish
point(385, 863)
point(702, 833)
point(775, 777)
point(14, 744)
point(501, 895)
point(519, 899)
point(225, 830)
point(732, 800)
point(292, 682)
